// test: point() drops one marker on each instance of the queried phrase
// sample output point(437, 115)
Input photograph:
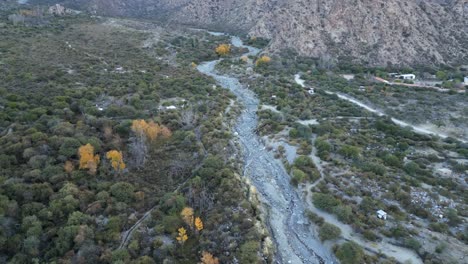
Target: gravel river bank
point(294, 237)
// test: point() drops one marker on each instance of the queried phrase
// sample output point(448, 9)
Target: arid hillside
point(372, 32)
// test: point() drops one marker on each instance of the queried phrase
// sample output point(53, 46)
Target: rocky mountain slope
point(377, 32)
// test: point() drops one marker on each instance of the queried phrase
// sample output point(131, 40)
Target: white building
point(406, 76)
point(382, 214)
point(466, 80)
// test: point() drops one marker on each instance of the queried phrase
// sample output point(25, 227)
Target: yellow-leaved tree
point(208, 258)
point(263, 60)
point(87, 158)
point(182, 236)
point(116, 159)
point(150, 129)
point(198, 224)
point(223, 49)
point(144, 132)
point(187, 216)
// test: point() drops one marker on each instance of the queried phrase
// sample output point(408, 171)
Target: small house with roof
point(381, 214)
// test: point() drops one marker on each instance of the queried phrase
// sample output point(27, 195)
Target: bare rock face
point(375, 32)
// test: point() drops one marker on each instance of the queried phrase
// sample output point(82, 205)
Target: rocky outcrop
point(376, 32)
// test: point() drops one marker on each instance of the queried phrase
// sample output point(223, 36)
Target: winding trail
point(399, 253)
point(293, 236)
point(417, 129)
point(126, 236)
point(318, 164)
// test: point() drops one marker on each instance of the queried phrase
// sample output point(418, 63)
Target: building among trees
point(382, 214)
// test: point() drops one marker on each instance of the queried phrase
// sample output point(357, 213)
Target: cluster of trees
point(195, 224)
point(90, 161)
point(373, 151)
point(329, 203)
point(60, 125)
point(304, 169)
point(145, 133)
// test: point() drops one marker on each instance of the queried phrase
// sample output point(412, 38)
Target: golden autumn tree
point(139, 127)
point(87, 158)
point(198, 224)
point(116, 159)
point(263, 60)
point(193, 64)
point(150, 130)
point(182, 235)
point(223, 49)
point(187, 216)
point(208, 258)
point(145, 132)
point(68, 167)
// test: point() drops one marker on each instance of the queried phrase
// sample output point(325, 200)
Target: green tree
point(392, 160)
point(350, 253)
point(31, 246)
point(325, 201)
point(120, 255)
point(298, 176)
point(303, 161)
point(453, 218)
point(344, 213)
point(123, 192)
point(441, 75)
point(323, 148)
point(248, 252)
point(329, 232)
point(350, 151)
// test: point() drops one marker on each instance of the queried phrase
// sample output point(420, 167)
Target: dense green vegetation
point(70, 81)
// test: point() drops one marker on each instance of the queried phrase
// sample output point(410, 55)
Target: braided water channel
point(292, 233)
